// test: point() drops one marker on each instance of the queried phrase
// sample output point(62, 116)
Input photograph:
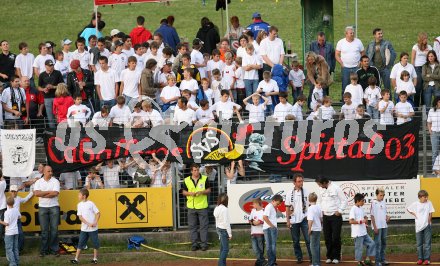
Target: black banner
point(340, 150)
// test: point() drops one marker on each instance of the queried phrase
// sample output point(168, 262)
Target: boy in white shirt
point(39, 62)
point(224, 109)
point(81, 54)
point(317, 95)
point(23, 63)
point(204, 114)
point(379, 220)
point(214, 63)
point(360, 112)
point(130, 81)
point(326, 111)
point(89, 215)
point(152, 116)
point(61, 65)
point(229, 74)
point(348, 110)
point(359, 223)
point(297, 107)
point(197, 57)
point(283, 108)
point(239, 81)
point(110, 173)
point(17, 202)
point(191, 103)
point(120, 113)
point(183, 113)
point(101, 118)
point(106, 81)
point(270, 229)
point(138, 53)
point(170, 94)
point(296, 80)
point(257, 235)
point(10, 221)
point(422, 211)
point(78, 113)
point(189, 83)
point(372, 97)
point(218, 85)
point(355, 89)
point(404, 110)
point(118, 60)
point(256, 109)
point(386, 108)
point(207, 91)
point(314, 218)
point(269, 88)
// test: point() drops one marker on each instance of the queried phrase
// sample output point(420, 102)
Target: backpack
point(142, 177)
point(282, 79)
point(134, 242)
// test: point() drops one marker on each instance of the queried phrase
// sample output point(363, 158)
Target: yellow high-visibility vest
point(201, 201)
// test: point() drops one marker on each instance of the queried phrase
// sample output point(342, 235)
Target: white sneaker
point(328, 261)
point(335, 261)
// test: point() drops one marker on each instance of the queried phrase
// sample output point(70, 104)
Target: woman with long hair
point(223, 226)
point(418, 59)
point(434, 127)
point(431, 78)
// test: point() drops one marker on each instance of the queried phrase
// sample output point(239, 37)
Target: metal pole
point(174, 192)
point(227, 19)
point(303, 33)
point(425, 153)
point(96, 19)
point(356, 17)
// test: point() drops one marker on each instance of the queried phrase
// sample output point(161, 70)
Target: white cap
point(66, 41)
point(114, 32)
point(13, 188)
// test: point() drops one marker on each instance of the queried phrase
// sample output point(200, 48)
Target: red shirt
point(80, 77)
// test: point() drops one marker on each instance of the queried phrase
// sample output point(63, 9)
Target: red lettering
point(303, 156)
point(351, 149)
point(388, 149)
point(340, 152)
point(286, 144)
point(318, 149)
point(176, 151)
point(51, 146)
point(409, 146)
point(83, 151)
point(330, 143)
point(108, 153)
point(70, 154)
point(369, 156)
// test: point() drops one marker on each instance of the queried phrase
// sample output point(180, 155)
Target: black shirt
point(364, 75)
point(7, 63)
point(207, 185)
point(53, 78)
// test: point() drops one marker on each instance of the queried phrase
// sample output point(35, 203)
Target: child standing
point(406, 85)
point(17, 201)
point(120, 113)
point(283, 108)
point(229, 74)
point(189, 83)
point(257, 235)
point(348, 110)
point(170, 94)
point(251, 63)
point(314, 218)
point(219, 84)
point(223, 226)
point(270, 229)
point(214, 63)
point(10, 220)
point(372, 97)
point(422, 211)
point(268, 87)
point(297, 107)
point(62, 102)
point(317, 94)
point(204, 115)
point(404, 110)
point(89, 215)
point(296, 80)
point(78, 112)
point(206, 92)
point(101, 118)
point(386, 108)
point(130, 78)
point(239, 82)
point(379, 220)
point(326, 111)
point(359, 223)
point(357, 93)
point(256, 109)
point(61, 65)
point(224, 109)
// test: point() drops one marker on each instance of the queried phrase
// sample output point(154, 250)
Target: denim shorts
point(84, 237)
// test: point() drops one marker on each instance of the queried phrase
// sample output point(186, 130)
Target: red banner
point(117, 2)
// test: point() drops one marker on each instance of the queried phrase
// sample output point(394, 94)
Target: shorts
point(84, 237)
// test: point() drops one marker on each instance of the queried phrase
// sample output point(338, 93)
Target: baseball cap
point(119, 43)
point(13, 188)
point(66, 41)
point(75, 64)
point(114, 32)
point(256, 15)
point(50, 44)
point(197, 41)
point(49, 62)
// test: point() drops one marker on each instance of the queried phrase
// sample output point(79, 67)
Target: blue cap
point(256, 15)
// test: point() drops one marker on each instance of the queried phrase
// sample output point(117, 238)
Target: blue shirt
point(169, 34)
point(257, 26)
point(89, 32)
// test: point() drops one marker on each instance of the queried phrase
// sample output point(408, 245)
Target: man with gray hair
point(348, 53)
point(325, 49)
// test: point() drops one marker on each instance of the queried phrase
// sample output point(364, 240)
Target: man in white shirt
point(24, 62)
point(106, 82)
point(47, 190)
point(348, 53)
point(332, 200)
point(13, 100)
point(70, 180)
point(272, 49)
point(296, 214)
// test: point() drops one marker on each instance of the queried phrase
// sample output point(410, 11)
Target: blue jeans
point(48, 105)
point(49, 220)
point(427, 95)
point(295, 232)
point(109, 103)
point(20, 236)
point(297, 91)
point(315, 247)
point(84, 237)
point(127, 99)
point(435, 141)
point(11, 247)
point(251, 86)
point(373, 112)
point(346, 71)
point(258, 248)
point(381, 243)
point(224, 246)
point(270, 236)
point(359, 243)
point(423, 239)
point(385, 76)
point(419, 87)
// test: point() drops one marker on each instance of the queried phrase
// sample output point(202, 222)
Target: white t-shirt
point(107, 81)
point(297, 112)
point(63, 68)
point(317, 95)
point(197, 58)
point(372, 95)
point(357, 214)
point(187, 116)
point(128, 52)
point(52, 185)
point(281, 110)
point(350, 52)
point(68, 57)
point(204, 116)
point(118, 62)
point(297, 77)
point(111, 176)
point(397, 70)
point(209, 95)
point(84, 58)
point(78, 113)
point(422, 211)
point(189, 85)
point(239, 82)
point(379, 211)
point(293, 198)
point(241, 52)
point(170, 92)
point(314, 214)
point(407, 86)
point(105, 53)
point(434, 118)
point(420, 58)
point(2, 194)
point(25, 63)
point(100, 121)
point(271, 214)
point(11, 217)
point(120, 115)
point(226, 109)
point(256, 112)
point(87, 210)
point(386, 118)
point(211, 65)
point(326, 113)
point(131, 80)
point(154, 117)
point(20, 97)
point(250, 60)
point(229, 74)
point(273, 49)
point(357, 93)
point(70, 179)
point(270, 86)
point(139, 63)
point(40, 60)
point(257, 216)
point(403, 109)
point(349, 111)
